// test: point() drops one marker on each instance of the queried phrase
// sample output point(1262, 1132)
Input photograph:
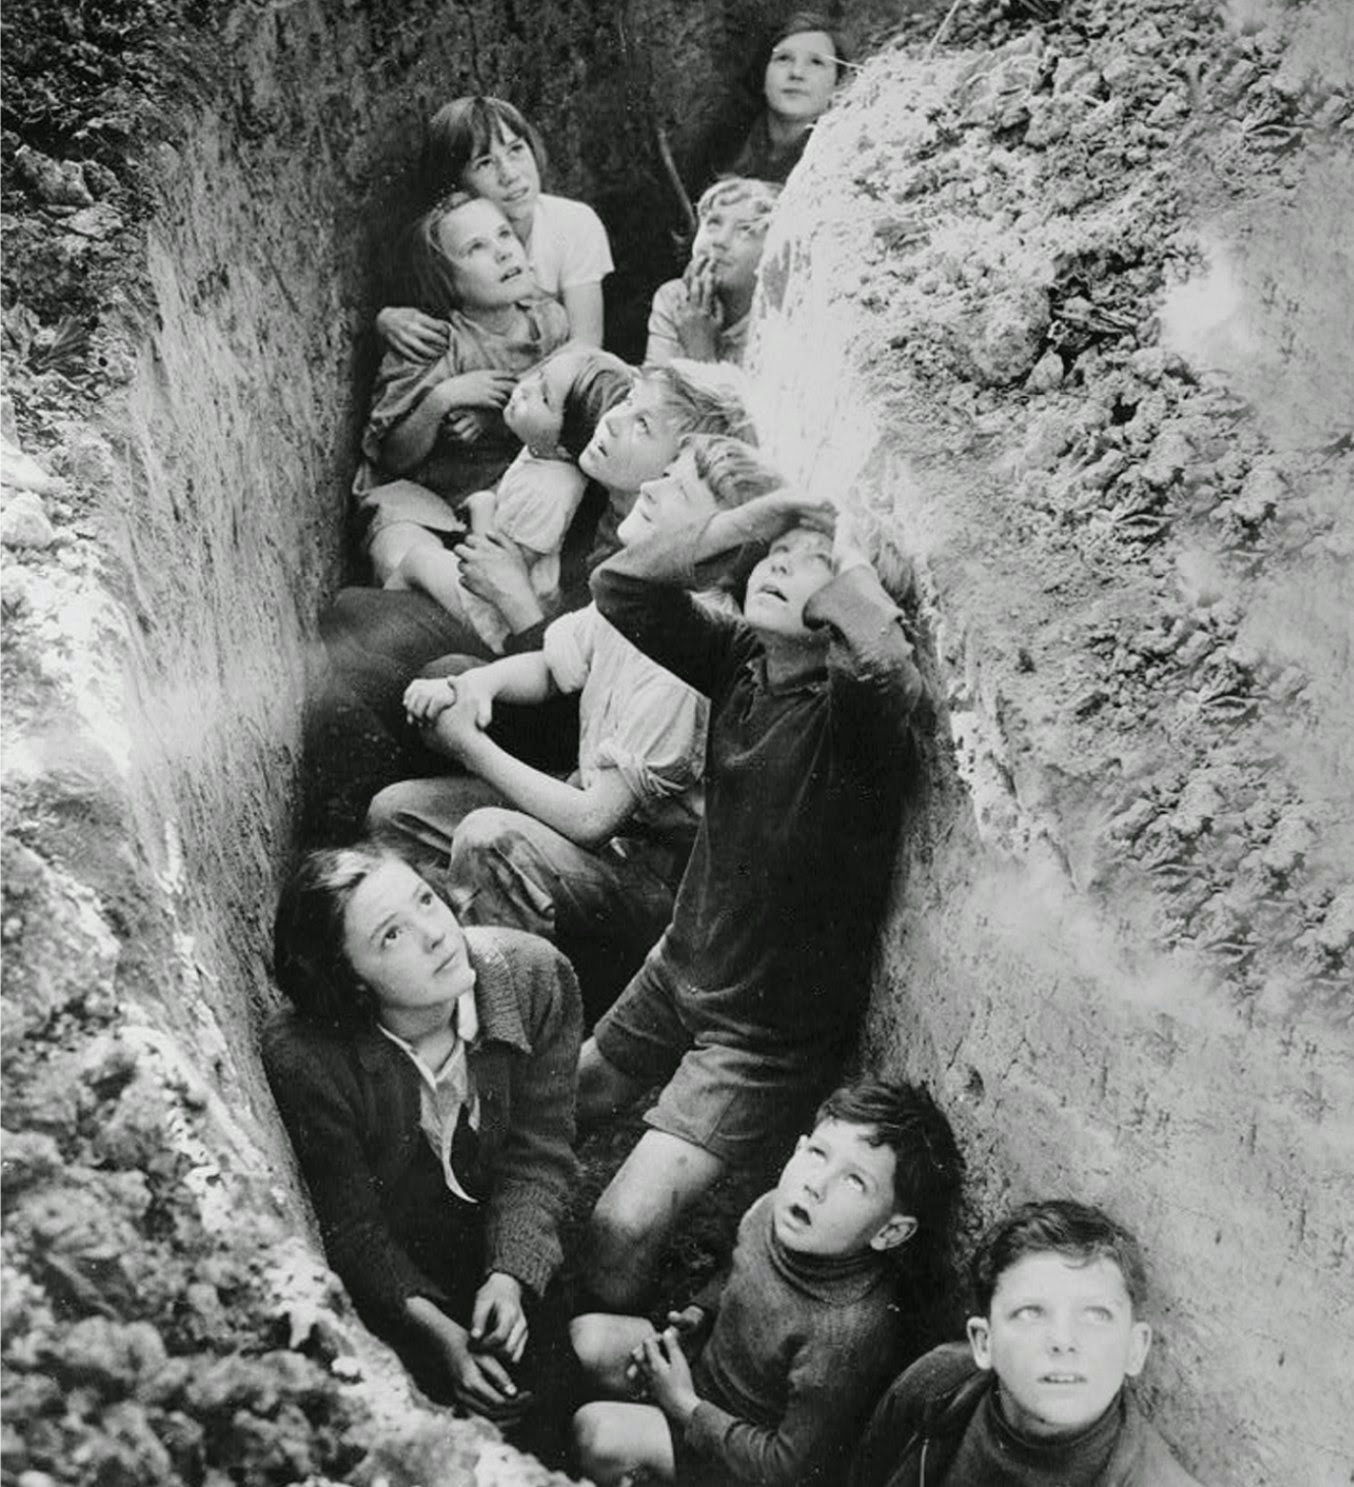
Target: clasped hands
point(451, 711)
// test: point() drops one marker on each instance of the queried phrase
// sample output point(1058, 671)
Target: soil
point(1081, 351)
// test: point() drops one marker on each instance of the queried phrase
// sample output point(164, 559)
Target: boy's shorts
point(735, 1102)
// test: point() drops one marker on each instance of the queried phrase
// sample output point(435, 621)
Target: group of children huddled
point(713, 868)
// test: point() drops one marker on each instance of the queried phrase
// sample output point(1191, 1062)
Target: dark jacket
point(916, 1430)
point(350, 1103)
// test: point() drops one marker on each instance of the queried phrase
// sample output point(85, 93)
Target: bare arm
point(583, 306)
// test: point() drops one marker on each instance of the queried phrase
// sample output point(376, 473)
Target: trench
point(1121, 928)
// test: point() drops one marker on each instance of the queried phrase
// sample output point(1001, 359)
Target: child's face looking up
point(506, 174)
point(798, 565)
point(635, 442)
point(535, 411)
point(1061, 1338)
point(678, 495)
point(835, 1195)
point(730, 239)
point(801, 76)
point(488, 263)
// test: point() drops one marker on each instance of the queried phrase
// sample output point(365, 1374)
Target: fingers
point(516, 1343)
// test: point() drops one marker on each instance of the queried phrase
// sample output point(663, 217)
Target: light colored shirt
point(568, 245)
point(444, 1092)
point(634, 716)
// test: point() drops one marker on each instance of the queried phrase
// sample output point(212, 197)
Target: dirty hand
point(427, 696)
point(482, 1383)
point(664, 1368)
point(493, 569)
point(498, 1324)
point(413, 334)
point(482, 388)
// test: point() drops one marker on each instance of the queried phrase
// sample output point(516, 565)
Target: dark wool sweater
point(800, 1349)
point(936, 1426)
point(777, 912)
point(351, 1105)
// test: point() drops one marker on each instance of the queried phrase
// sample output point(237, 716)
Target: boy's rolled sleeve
point(569, 645)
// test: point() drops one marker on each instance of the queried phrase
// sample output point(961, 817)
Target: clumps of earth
point(1031, 294)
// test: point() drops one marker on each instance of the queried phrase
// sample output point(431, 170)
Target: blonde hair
point(759, 197)
point(730, 468)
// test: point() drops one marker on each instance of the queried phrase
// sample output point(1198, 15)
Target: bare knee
point(597, 1447)
point(603, 1090)
point(589, 1336)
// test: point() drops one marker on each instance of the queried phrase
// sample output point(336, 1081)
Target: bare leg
point(657, 1182)
point(603, 1091)
point(603, 1343)
point(616, 1440)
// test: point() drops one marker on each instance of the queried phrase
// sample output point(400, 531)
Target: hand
point(691, 1325)
point(698, 313)
point(456, 730)
point(466, 425)
point(482, 388)
point(412, 333)
point(498, 1324)
point(493, 568)
point(481, 1382)
point(848, 545)
point(764, 518)
point(426, 697)
point(664, 1368)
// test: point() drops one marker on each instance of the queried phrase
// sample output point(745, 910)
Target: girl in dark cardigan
point(425, 1075)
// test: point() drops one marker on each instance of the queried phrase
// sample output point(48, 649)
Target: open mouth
point(770, 591)
point(510, 273)
point(799, 1215)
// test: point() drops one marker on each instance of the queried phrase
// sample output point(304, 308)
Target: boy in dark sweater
point(803, 1332)
point(748, 1002)
point(1038, 1397)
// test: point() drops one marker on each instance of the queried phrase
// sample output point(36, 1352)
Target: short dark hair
point(601, 382)
point(463, 130)
point(799, 21)
point(928, 1171)
point(1059, 1226)
point(310, 962)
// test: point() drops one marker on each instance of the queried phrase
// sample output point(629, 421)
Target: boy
point(596, 857)
point(1038, 1396)
point(748, 1002)
point(805, 1327)
point(704, 314)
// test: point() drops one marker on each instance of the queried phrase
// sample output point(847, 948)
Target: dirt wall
point(1080, 350)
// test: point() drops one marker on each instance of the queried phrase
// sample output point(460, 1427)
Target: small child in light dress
point(554, 410)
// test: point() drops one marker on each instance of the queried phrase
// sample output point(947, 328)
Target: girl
point(484, 146)
point(466, 257)
point(425, 1075)
point(554, 410)
point(795, 83)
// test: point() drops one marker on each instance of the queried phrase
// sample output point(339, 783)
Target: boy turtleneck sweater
point(801, 1348)
point(994, 1453)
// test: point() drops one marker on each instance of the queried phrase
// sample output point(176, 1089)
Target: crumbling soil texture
point(1082, 306)
point(1069, 321)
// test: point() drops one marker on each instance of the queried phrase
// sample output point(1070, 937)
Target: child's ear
point(898, 1230)
point(980, 1341)
point(1140, 1342)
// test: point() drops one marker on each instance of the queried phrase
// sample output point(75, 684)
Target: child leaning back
point(1041, 1393)
point(554, 410)
point(424, 453)
point(804, 1331)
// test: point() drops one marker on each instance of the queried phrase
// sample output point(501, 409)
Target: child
point(805, 1327)
point(596, 857)
point(554, 410)
point(1038, 1395)
point(469, 260)
point(748, 1002)
point(704, 314)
